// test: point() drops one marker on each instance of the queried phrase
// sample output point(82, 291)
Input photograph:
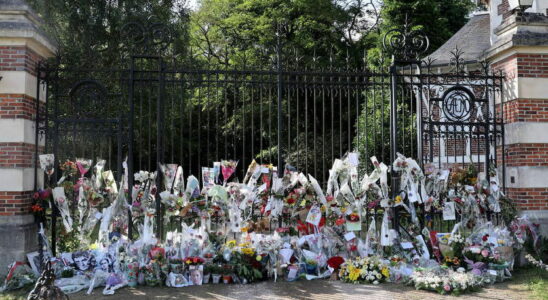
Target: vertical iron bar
point(393, 134)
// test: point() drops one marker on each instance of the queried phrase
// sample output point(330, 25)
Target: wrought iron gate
point(155, 111)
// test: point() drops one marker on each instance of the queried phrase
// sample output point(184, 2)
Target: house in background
point(512, 36)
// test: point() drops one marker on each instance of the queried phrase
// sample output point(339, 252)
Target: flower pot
point(206, 278)
point(141, 278)
point(216, 278)
point(311, 269)
point(227, 279)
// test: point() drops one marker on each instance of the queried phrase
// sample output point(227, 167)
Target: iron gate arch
point(157, 112)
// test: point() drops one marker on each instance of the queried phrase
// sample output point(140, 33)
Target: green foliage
point(90, 32)
point(246, 29)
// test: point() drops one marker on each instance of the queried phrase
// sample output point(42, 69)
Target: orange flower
point(36, 208)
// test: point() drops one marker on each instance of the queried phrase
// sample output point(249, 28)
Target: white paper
point(406, 245)
point(449, 211)
point(292, 273)
point(314, 215)
point(350, 236)
point(286, 255)
point(353, 159)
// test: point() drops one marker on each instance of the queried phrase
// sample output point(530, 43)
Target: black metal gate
point(156, 111)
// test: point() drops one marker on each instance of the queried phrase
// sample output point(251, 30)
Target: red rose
point(485, 237)
point(339, 221)
point(335, 262)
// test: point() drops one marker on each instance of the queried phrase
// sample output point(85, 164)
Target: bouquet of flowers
point(445, 281)
point(364, 270)
point(228, 167)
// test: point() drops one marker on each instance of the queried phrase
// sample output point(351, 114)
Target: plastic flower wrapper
point(318, 190)
point(83, 165)
point(370, 246)
point(110, 182)
point(69, 169)
point(62, 204)
point(208, 178)
point(73, 284)
point(97, 177)
point(252, 174)
point(192, 189)
point(82, 201)
point(171, 175)
point(235, 218)
point(228, 167)
point(116, 207)
point(218, 194)
point(90, 220)
point(47, 163)
point(19, 275)
point(353, 219)
point(410, 177)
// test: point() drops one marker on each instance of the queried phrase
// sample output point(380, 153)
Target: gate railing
point(156, 112)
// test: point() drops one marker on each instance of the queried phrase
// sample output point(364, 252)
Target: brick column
point(521, 52)
point(22, 45)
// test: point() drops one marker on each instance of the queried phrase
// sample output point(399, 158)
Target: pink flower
point(447, 287)
point(485, 252)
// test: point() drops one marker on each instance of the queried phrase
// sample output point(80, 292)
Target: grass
point(535, 280)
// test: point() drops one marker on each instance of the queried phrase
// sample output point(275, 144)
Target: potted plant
point(216, 273)
point(208, 270)
point(311, 266)
point(227, 274)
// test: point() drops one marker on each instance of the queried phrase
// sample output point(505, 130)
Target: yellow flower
point(188, 261)
point(259, 258)
point(231, 243)
point(398, 199)
point(323, 208)
point(248, 251)
point(385, 272)
point(93, 246)
point(244, 229)
point(353, 273)
point(343, 210)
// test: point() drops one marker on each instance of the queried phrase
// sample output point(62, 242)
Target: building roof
point(473, 39)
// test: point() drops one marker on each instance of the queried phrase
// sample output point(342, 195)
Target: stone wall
point(22, 45)
point(521, 53)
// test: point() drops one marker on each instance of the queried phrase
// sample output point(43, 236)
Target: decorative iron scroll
point(406, 44)
point(458, 102)
point(87, 96)
point(149, 37)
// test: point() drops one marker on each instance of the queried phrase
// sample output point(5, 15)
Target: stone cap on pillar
point(520, 30)
point(21, 26)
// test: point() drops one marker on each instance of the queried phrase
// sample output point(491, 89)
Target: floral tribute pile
point(272, 227)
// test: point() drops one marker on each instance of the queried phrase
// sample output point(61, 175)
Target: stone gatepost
point(22, 44)
point(520, 50)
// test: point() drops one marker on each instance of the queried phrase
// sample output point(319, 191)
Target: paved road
point(317, 289)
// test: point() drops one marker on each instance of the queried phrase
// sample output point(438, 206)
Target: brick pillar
point(22, 45)
point(521, 52)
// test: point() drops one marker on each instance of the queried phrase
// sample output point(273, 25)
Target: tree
point(439, 20)
point(90, 33)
